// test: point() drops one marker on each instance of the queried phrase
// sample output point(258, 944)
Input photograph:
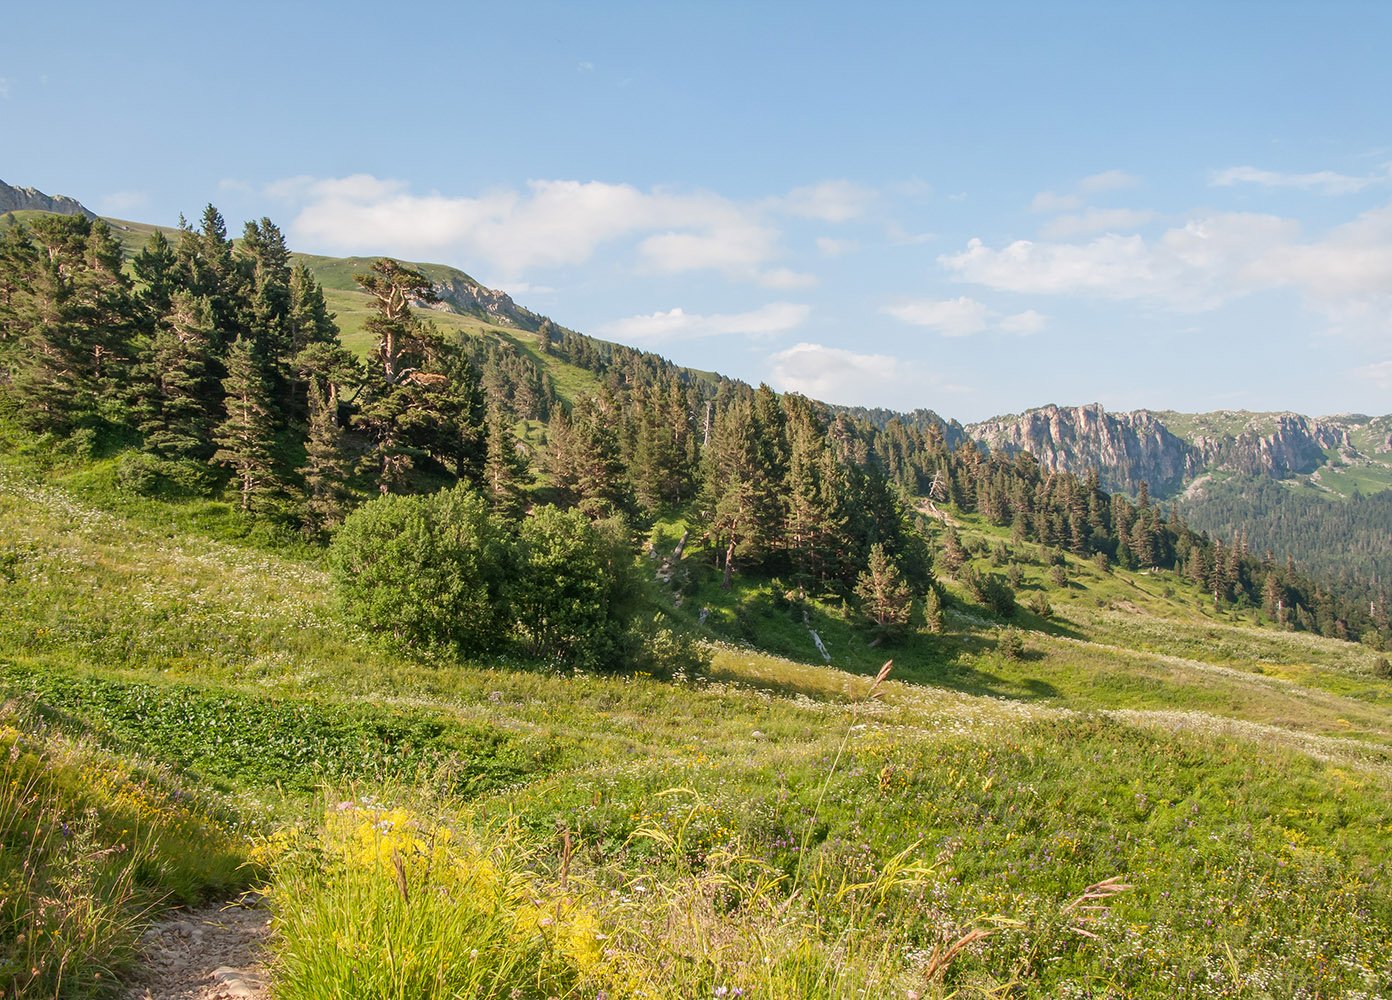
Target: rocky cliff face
point(1130, 448)
point(461, 294)
point(1273, 444)
point(20, 199)
point(1126, 449)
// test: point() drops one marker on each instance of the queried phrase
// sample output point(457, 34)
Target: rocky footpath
point(213, 953)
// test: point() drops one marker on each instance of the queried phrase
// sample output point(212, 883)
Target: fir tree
point(328, 467)
point(180, 397)
point(884, 596)
point(244, 437)
point(506, 474)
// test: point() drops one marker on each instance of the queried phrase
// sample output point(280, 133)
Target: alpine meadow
point(368, 634)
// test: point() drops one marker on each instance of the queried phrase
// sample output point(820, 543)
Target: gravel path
point(214, 953)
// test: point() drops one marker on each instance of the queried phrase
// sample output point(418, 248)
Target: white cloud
point(840, 376)
point(551, 223)
point(1380, 374)
point(1325, 181)
point(676, 324)
point(1108, 180)
point(1048, 201)
point(1096, 220)
point(1024, 323)
point(836, 248)
point(1346, 274)
point(828, 201)
point(963, 317)
point(585, 67)
point(123, 204)
point(785, 279)
point(960, 317)
point(5, 89)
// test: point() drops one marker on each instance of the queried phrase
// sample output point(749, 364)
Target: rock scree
point(213, 953)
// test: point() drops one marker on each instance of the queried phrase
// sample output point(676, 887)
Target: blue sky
point(975, 208)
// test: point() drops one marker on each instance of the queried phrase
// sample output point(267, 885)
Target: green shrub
point(428, 571)
point(574, 588)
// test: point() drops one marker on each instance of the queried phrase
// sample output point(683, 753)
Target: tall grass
point(89, 847)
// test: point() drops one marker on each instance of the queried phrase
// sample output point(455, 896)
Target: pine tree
point(506, 474)
point(244, 437)
point(180, 396)
point(78, 319)
point(156, 268)
point(932, 611)
point(884, 596)
point(328, 467)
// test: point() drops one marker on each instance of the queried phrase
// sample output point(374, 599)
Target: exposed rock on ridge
point(1126, 449)
point(1130, 448)
point(462, 294)
point(21, 199)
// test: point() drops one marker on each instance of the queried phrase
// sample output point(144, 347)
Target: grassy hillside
point(766, 828)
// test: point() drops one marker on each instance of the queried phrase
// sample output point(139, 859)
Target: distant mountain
point(27, 199)
point(1169, 451)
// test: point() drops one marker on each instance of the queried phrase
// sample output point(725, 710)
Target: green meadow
point(1145, 797)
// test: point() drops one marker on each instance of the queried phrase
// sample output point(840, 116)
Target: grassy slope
point(1238, 777)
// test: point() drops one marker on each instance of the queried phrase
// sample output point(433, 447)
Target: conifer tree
point(506, 474)
point(328, 467)
point(155, 266)
point(244, 437)
point(79, 318)
point(884, 596)
point(180, 398)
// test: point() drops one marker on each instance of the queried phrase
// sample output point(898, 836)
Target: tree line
point(221, 357)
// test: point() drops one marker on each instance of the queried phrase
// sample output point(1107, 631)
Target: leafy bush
point(574, 588)
point(1039, 605)
point(429, 571)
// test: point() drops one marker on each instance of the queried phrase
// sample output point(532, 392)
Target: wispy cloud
point(553, 223)
point(963, 317)
point(585, 67)
point(828, 201)
point(1108, 180)
point(4, 89)
point(1346, 274)
point(841, 376)
point(677, 324)
point(1096, 220)
point(829, 247)
point(1324, 181)
point(123, 204)
point(1049, 201)
point(1380, 374)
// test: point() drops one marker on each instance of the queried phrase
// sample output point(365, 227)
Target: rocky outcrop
point(1273, 444)
point(20, 199)
point(1126, 449)
point(460, 293)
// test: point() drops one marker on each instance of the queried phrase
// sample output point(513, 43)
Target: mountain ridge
point(1167, 450)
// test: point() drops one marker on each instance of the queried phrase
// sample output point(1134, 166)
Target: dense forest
point(1349, 540)
point(214, 366)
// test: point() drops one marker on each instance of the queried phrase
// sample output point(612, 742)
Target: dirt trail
point(213, 953)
